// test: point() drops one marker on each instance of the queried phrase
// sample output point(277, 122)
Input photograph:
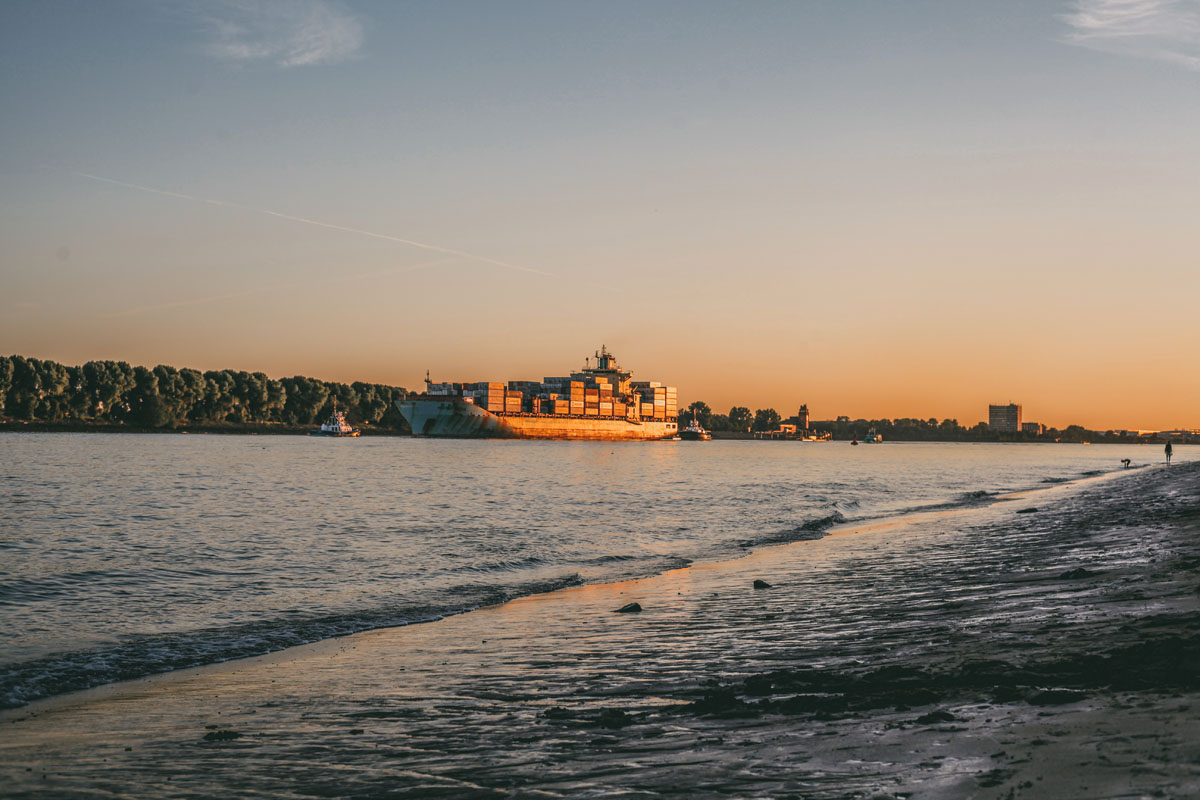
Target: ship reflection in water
point(600, 402)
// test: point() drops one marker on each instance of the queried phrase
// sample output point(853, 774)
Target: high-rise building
point(1005, 418)
point(802, 418)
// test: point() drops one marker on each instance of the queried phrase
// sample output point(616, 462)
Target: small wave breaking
point(137, 657)
point(809, 529)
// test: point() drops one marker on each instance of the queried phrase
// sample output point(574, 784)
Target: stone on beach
point(631, 608)
point(760, 584)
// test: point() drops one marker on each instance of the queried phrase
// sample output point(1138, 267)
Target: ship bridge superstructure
point(606, 371)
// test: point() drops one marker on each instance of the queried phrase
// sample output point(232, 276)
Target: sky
point(903, 209)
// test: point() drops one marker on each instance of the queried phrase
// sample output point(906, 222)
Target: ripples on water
point(127, 554)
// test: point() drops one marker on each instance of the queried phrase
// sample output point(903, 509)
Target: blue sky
point(874, 208)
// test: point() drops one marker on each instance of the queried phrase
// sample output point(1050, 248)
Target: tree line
point(741, 420)
point(115, 393)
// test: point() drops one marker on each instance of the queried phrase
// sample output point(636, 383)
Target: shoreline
point(262, 429)
point(280, 429)
point(554, 694)
point(812, 530)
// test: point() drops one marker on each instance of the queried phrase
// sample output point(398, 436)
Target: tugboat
point(695, 433)
point(873, 437)
point(336, 425)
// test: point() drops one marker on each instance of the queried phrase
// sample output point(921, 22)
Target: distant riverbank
point(259, 429)
point(281, 429)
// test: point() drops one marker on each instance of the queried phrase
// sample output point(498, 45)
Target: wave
point(138, 657)
point(809, 529)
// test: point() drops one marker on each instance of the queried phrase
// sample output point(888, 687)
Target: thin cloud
point(288, 33)
point(319, 224)
point(1163, 30)
point(196, 301)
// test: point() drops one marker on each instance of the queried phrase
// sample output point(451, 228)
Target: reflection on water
point(125, 555)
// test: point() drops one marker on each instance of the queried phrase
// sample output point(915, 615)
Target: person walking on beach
point(1167, 450)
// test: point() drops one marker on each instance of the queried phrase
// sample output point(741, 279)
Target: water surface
point(125, 555)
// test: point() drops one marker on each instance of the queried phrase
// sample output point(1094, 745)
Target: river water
point(126, 555)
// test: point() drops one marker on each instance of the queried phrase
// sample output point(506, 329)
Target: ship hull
point(456, 418)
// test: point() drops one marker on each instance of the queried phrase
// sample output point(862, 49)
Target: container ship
point(600, 402)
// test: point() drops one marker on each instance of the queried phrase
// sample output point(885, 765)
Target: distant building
point(1035, 428)
point(1183, 435)
point(1005, 419)
point(797, 427)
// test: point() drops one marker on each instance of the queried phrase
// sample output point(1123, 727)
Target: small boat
point(336, 425)
point(873, 438)
point(694, 433)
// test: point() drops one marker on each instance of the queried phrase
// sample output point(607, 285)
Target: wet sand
point(1047, 645)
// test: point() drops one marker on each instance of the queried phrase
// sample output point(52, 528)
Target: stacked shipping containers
point(657, 401)
point(489, 396)
point(575, 395)
point(593, 397)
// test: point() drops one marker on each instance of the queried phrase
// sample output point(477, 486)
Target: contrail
point(318, 223)
point(195, 301)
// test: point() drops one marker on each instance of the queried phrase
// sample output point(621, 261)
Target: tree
point(173, 393)
point(25, 388)
point(219, 400)
point(146, 408)
point(372, 401)
point(766, 419)
point(192, 386)
point(305, 399)
point(740, 419)
point(1075, 433)
point(6, 372)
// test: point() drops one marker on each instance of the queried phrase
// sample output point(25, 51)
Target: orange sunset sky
point(875, 209)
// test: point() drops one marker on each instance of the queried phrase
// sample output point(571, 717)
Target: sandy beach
point(1044, 645)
